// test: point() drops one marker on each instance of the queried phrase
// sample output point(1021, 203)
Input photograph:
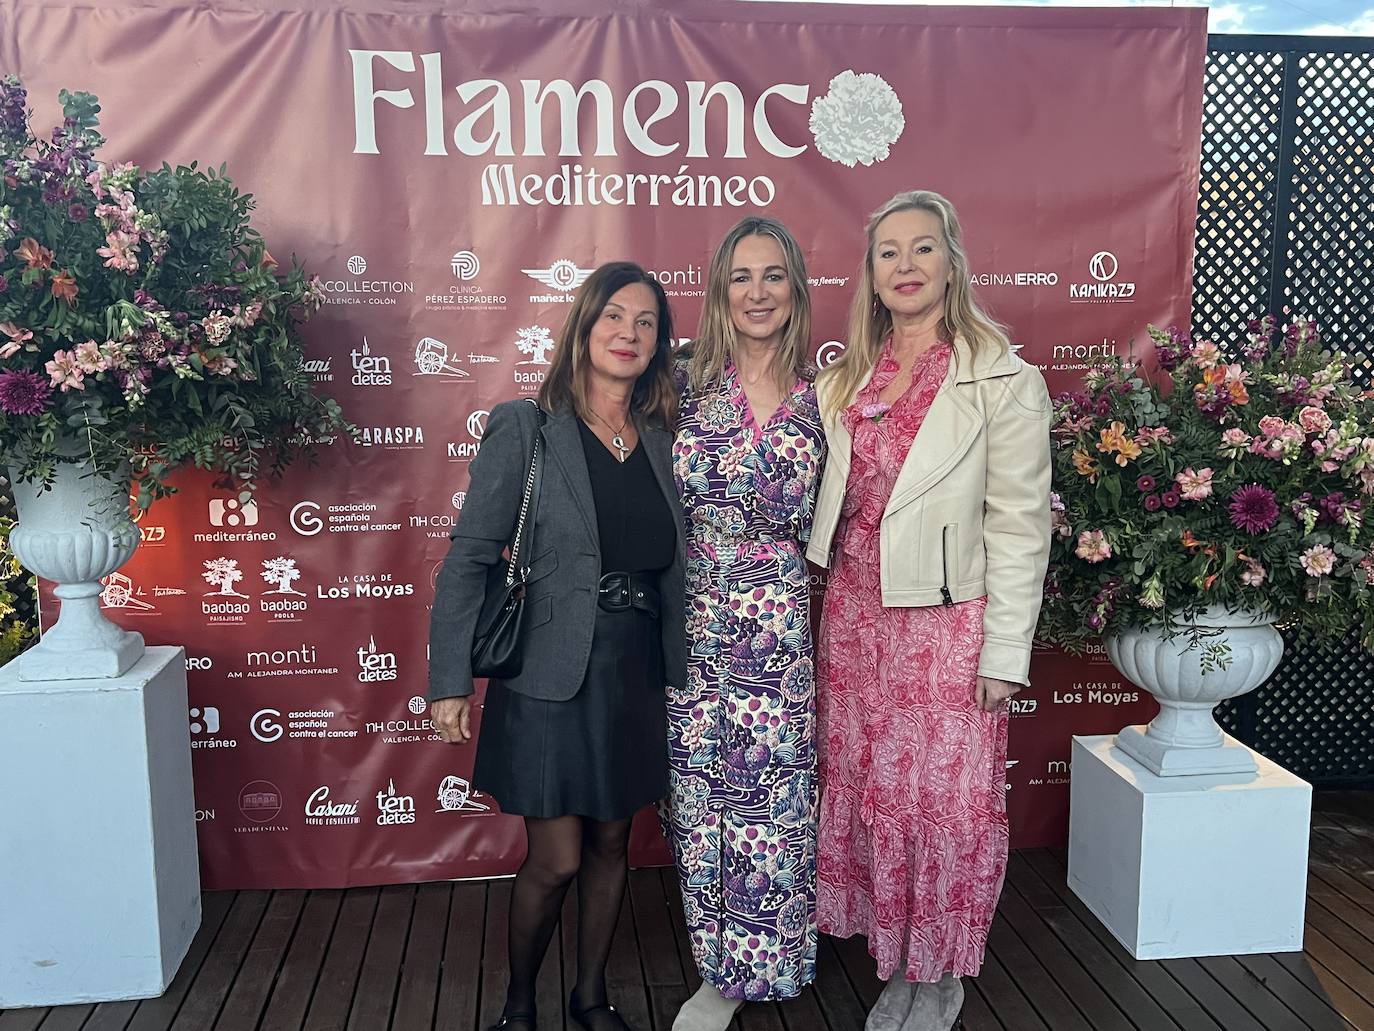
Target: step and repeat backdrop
point(452, 176)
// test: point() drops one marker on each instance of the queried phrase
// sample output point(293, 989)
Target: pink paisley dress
point(913, 825)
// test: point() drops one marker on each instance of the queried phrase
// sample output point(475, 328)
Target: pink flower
point(65, 372)
point(87, 357)
point(1093, 546)
point(1195, 486)
point(1206, 353)
point(17, 335)
point(1253, 574)
point(1147, 435)
point(9, 350)
point(1318, 560)
point(876, 410)
point(1314, 420)
point(1271, 425)
point(119, 251)
point(217, 327)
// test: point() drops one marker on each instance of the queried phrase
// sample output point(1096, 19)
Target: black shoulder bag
point(497, 650)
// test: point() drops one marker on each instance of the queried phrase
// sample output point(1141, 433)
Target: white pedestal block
point(99, 880)
point(1189, 866)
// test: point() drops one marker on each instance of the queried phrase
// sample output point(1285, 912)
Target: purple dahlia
point(23, 392)
point(1253, 508)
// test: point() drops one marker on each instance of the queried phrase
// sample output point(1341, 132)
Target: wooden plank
point(758, 1016)
point(495, 953)
point(838, 1000)
point(460, 985)
point(1251, 992)
point(66, 1018)
point(624, 975)
point(300, 969)
point(248, 994)
point(1040, 987)
point(1341, 950)
point(1314, 1009)
point(1066, 970)
point(1005, 998)
point(976, 1015)
point(1336, 902)
point(1171, 997)
point(1329, 987)
point(111, 1016)
point(26, 1019)
point(663, 969)
point(1212, 996)
point(375, 994)
point(802, 1013)
point(343, 956)
point(221, 966)
point(859, 967)
point(418, 992)
point(1118, 985)
point(1339, 881)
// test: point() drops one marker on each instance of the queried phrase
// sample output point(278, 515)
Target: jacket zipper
point(944, 567)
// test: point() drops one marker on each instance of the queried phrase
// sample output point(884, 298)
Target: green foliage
point(142, 315)
point(16, 584)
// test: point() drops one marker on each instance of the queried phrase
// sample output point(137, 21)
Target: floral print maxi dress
point(741, 811)
point(913, 828)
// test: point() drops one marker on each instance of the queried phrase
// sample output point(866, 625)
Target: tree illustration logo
point(282, 572)
point(535, 341)
point(223, 573)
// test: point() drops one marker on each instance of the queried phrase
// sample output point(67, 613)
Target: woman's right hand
point(452, 719)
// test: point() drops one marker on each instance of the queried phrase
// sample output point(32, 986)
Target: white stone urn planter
point(1184, 739)
point(74, 534)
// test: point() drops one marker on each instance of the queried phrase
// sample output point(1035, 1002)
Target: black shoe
point(580, 1015)
point(510, 1020)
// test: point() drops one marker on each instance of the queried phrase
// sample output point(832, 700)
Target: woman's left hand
point(992, 694)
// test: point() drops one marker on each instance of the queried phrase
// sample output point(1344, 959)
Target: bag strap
point(529, 504)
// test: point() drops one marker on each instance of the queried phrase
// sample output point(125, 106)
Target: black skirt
point(604, 752)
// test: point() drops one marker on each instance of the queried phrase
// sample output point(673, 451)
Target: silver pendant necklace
point(617, 440)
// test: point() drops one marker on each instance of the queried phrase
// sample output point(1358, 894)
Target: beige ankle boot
point(707, 1010)
point(893, 1005)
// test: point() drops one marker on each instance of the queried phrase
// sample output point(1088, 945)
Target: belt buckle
point(615, 595)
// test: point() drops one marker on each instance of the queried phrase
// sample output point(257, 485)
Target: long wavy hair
point(654, 399)
point(870, 322)
point(715, 339)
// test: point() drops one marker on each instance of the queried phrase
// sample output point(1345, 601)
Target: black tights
point(560, 849)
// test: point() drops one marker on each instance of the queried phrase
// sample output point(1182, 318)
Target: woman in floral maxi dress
point(937, 502)
point(742, 800)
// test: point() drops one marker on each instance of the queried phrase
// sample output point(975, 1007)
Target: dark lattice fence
point(1286, 224)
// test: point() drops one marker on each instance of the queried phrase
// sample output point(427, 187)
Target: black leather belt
point(620, 591)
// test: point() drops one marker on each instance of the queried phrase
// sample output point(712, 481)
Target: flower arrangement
point(17, 596)
point(143, 323)
point(1243, 479)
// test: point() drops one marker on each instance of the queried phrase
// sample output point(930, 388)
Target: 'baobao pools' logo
point(855, 122)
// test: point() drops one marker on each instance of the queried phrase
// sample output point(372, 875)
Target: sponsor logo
point(232, 512)
point(355, 517)
point(283, 603)
point(855, 122)
point(264, 725)
point(1105, 288)
point(357, 291)
point(418, 704)
point(392, 438)
point(300, 661)
point(535, 342)
point(205, 815)
point(322, 811)
point(223, 573)
point(318, 369)
point(815, 282)
point(374, 666)
point(563, 275)
point(459, 496)
point(465, 295)
point(119, 591)
point(199, 662)
point(682, 282)
point(411, 726)
point(1098, 692)
point(205, 729)
point(828, 352)
point(1014, 279)
point(394, 808)
point(260, 803)
point(1023, 706)
point(455, 795)
point(477, 423)
point(432, 359)
point(370, 370)
point(464, 265)
point(366, 586)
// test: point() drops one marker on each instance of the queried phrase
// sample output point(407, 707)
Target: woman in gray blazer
point(576, 743)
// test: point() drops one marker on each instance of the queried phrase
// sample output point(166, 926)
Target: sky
point(1286, 17)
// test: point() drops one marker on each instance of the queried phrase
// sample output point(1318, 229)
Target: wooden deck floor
point(433, 956)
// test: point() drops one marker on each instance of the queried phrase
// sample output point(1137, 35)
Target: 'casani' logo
point(561, 275)
point(477, 423)
point(1102, 266)
point(464, 265)
point(858, 121)
point(357, 265)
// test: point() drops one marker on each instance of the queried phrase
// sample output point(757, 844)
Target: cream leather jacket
point(970, 512)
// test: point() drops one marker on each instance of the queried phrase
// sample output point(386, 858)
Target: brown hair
point(870, 323)
point(715, 339)
point(654, 399)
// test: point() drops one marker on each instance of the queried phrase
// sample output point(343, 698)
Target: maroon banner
point(453, 176)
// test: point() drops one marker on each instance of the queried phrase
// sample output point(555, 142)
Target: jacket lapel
point(658, 446)
point(564, 444)
point(947, 432)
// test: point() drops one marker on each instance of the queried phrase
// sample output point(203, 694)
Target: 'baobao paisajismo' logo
point(855, 122)
point(1105, 288)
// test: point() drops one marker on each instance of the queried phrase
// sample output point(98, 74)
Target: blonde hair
point(870, 322)
point(654, 397)
point(715, 339)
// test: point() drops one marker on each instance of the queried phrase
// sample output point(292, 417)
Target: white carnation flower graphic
point(858, 120)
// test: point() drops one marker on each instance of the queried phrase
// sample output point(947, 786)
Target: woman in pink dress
point(935, 508)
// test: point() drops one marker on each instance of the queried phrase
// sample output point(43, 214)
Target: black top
point(633, 519)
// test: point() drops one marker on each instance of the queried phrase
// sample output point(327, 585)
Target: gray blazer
point(560, 607)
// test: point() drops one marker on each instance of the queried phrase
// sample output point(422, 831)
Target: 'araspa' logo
point(858, 121)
